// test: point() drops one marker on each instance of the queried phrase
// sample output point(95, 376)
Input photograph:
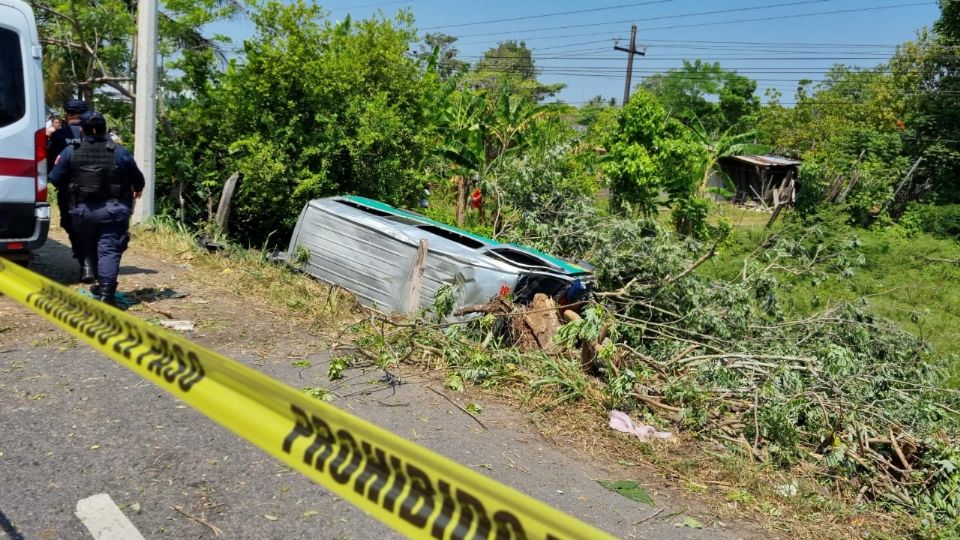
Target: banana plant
point(723, 144)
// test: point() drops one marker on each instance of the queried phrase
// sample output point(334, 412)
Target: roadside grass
point(250, 273)
point(913, 281)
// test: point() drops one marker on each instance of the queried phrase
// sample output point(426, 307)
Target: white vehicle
point(24, 211)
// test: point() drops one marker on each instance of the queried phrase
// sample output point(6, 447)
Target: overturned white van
point(24, 212)
point(397, 260)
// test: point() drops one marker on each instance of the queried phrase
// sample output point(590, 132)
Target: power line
point(574, 45)
point(554, 14)
point(655, 28)
point(661, 17)
point(687, 57)
point(876, 70)
point(777, 17)
point(799, 44)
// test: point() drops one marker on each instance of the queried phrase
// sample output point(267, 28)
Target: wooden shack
point(759, 178)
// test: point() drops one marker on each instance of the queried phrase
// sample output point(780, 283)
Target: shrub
point(939, 220)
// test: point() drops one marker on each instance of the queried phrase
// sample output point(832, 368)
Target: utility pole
point(631, 52)
point(145, 116)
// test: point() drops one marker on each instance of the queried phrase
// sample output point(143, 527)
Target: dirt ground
point(74, 424)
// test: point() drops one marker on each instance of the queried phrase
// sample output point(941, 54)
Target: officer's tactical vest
point(77, 137)
point(93, 172)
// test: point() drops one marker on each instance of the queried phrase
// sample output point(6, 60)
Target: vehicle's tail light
point(40, 156)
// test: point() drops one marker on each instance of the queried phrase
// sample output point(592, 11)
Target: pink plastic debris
point(620, 421)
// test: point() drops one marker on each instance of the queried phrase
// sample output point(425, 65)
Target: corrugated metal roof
point(767, 161)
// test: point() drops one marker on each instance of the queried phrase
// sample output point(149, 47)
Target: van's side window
point(12, 94)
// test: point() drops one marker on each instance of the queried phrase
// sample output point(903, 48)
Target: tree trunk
point(461, 183)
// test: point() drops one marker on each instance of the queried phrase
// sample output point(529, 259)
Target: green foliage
point(563, 377)
point(444, 301)
point(318, 392)
point(907, 277)
point(587, 328)
point(718, 145)
point(312, 109)
point(438, 49)
point(541, 184)
point(338, 365)
point(87, 53)
point(76, 63)
point(650, 152)
point(847, 100)
point(730, 358)
point(509, 68)
point(873, 158)
point(590, 113)
point(629, 489)
point(938, 220)
point(704, 93)
point(798, 382)
point(932, 119)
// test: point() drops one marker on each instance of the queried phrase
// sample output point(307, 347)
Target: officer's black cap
point(93, 122)
point(75, 106)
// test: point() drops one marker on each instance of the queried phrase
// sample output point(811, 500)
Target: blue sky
point(776, 42)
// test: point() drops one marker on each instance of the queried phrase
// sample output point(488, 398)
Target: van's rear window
point(12, 93)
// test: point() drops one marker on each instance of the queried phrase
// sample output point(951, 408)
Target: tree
point(928, 71)
point(650, 153)
point(509, 67)
point(479, 136)
point(846, 128)
point(705, 93)
point(589, 113)
point(312, 109)
point(439, 48)
point(89, 45)
point(86, 46)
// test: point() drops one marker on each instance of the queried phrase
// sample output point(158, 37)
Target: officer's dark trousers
point(66, 223)
point(102, 228)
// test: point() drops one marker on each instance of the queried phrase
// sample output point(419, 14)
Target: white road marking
point(105, 521)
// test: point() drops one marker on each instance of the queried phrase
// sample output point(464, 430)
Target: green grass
point(915, 282)
point(739, 217)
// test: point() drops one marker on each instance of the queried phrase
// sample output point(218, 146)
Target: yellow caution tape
point(414, 490)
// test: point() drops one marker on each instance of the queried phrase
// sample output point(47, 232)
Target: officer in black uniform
point(69, 135)
point(103, 180)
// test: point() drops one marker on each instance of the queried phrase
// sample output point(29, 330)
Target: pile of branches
point(839, 390)
point(842, 391)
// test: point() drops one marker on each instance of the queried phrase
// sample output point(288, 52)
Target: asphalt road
point(74, 424)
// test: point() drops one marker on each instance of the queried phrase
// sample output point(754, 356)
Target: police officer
point(69, 135)
point(103, 181)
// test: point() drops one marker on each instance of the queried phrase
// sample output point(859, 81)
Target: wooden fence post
point(223, 210)
point(416, 277)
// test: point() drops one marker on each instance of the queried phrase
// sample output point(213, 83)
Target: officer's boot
point(89, 274)
point(108, 294)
